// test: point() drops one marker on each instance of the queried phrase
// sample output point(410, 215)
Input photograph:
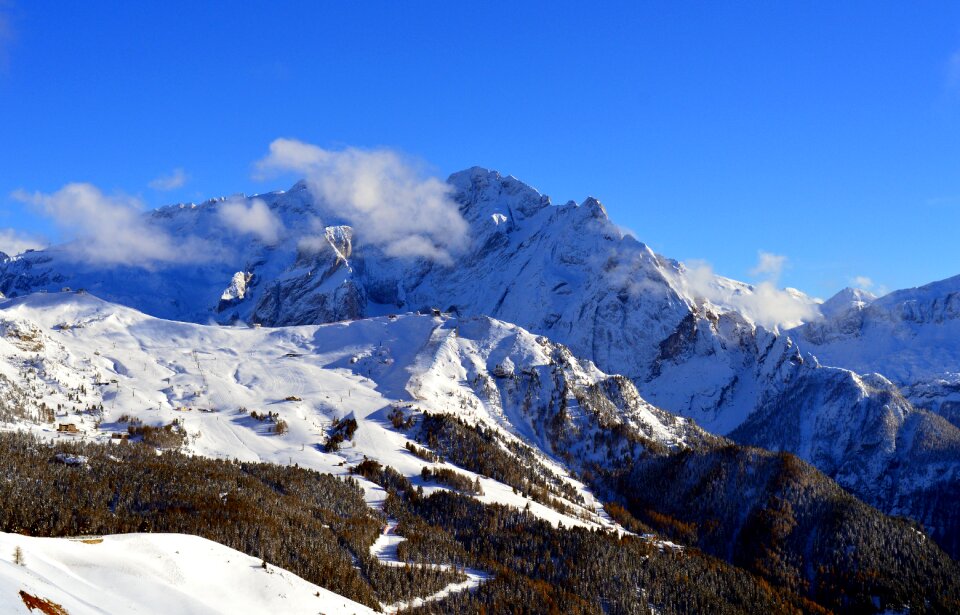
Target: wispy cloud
point(764, 303)
point(385, 197)
point(175, 179)
point(254, 219)
point(862, 282)
point(769, 265)
point(111, 230)
point(13, 242)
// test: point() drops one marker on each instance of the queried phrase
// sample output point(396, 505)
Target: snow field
point(154, 573)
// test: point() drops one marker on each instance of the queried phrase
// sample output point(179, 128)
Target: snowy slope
point(153, 573)
point(98, 365)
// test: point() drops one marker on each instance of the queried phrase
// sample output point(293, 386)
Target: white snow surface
point(75, 351)
point(154, 573)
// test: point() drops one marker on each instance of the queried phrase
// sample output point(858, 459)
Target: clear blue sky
point(826, 132)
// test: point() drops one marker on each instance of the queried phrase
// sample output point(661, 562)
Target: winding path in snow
point(385, 550)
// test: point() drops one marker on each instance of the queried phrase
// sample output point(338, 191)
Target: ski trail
point(385, 550)
point(474, 579)
point(385, 547)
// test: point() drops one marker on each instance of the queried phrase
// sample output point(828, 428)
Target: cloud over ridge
point(252, 217)
point(109, 230)
point(769, 265)
point(381, 194)
point(13, 242)
point(764, 303)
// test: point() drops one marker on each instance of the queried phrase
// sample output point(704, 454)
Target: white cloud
point(110, 230)
point(176, 179)
point(256, 219)
point(862, 282)
point(12, 242)
point(315, 239)
point(769, 265)
point(764, 303)
point(378, 192)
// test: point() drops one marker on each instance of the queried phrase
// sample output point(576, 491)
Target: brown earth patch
point(44, 606)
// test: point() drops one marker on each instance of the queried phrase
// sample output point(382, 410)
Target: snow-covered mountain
point(695, 344)
point(848, 299)
point(688, 339)
point(911, 336)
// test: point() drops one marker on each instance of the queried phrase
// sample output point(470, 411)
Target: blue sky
point(828, 133)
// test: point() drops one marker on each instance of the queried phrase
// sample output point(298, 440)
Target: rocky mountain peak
point(847, 299)
point(483, 193)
